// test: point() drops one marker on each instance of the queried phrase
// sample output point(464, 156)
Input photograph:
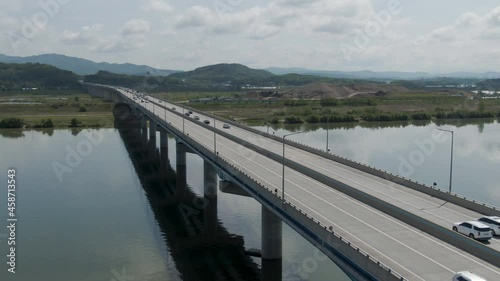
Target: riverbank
point(408, 107)
point(56, 109)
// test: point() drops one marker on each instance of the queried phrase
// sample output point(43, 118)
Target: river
point(96, 216)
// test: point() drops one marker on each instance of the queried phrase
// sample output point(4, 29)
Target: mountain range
point(87, 67)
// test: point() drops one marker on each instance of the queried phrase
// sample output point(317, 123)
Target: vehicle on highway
point(467, 276)
point(173, 108)
point(206, 122)
point(196, 117)
point(187, 114)
point(473, 229)
point(159, 101)
point(190, 112)
point(226, 126)
point(142, 100)
point(493, 223)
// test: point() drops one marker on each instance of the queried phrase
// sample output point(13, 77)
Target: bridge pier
point(209, 180)
point(180, 156)
point(271, 235)
point(152, 128)
point(163, 147)
point(272, 270)
point(144, 129)
point(210, 191)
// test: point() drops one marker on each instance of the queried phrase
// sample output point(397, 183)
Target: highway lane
point(433, 209)
point(410, 252)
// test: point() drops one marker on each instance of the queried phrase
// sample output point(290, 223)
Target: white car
point(467, 276)
point(493, 223)
point(473, 229)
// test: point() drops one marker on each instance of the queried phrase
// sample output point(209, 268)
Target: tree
point(482, 106)
point(74, 123)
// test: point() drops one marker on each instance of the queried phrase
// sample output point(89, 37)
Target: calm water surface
point(105, 219)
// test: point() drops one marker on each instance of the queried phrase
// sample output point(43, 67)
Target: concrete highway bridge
point(374, 225)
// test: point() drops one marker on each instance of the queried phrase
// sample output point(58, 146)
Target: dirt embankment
point(326, 90)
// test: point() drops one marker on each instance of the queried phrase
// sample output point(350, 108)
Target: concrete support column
point(272, 270)
point(271, 235)
point(180, 156)
point(152, 129)
point(144, 129)
point(210, 221)
point(209, 180)
point(163, 147)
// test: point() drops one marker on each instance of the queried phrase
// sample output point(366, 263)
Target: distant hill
point(214, 77)
point(387, 75)
point(19, 76)
point(224, 73)
point(322, 90)
point(489, 85)
point(87, 67)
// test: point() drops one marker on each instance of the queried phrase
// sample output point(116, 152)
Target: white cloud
point(84, 36)
point(135, 26)
point(157, 6)
point(116, 44)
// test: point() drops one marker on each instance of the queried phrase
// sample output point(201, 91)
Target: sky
point(348, 35)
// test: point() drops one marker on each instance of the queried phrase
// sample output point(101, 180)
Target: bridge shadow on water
point(200, 246)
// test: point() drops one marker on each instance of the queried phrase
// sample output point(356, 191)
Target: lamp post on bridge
point(183, 120)
point(283, 174)
point(327, 123)
point(451, 161)
point(215, 139)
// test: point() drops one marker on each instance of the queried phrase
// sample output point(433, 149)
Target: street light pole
point(215, 140)
point(327, 121)
point(451, 161)
point(283, 174)
point(183, 120)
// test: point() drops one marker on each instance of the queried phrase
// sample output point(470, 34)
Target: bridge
point(200, 247)
point(374, 225)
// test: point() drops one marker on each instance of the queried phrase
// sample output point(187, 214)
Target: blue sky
point(388, 35)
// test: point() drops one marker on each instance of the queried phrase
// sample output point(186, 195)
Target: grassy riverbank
point(61, 107)
point(415, 106)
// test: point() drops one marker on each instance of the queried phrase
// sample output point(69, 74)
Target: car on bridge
point(206, 122)
point(226, 126)
point(467, 276)
point(492, 222)
point(190, 112)
point(173, 108)
point(473, 229)
point(196, 117)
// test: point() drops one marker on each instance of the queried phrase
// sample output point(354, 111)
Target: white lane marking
point(328, 189)
point(341, 194)
point(335, 207)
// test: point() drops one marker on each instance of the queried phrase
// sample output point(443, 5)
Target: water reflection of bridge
point(201, 248)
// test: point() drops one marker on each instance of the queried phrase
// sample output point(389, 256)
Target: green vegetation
point(11, 123)
point(35, 108)
point(74, 123)
point(16, 77)
point(45, 123)
point(221, 77)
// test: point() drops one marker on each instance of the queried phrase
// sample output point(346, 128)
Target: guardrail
point(454, 198)
point(329, 239)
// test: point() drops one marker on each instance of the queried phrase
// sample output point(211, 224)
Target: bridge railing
point(454, 198)
point(335, 241)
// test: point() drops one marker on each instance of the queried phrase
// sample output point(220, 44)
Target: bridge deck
point(405, 249)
